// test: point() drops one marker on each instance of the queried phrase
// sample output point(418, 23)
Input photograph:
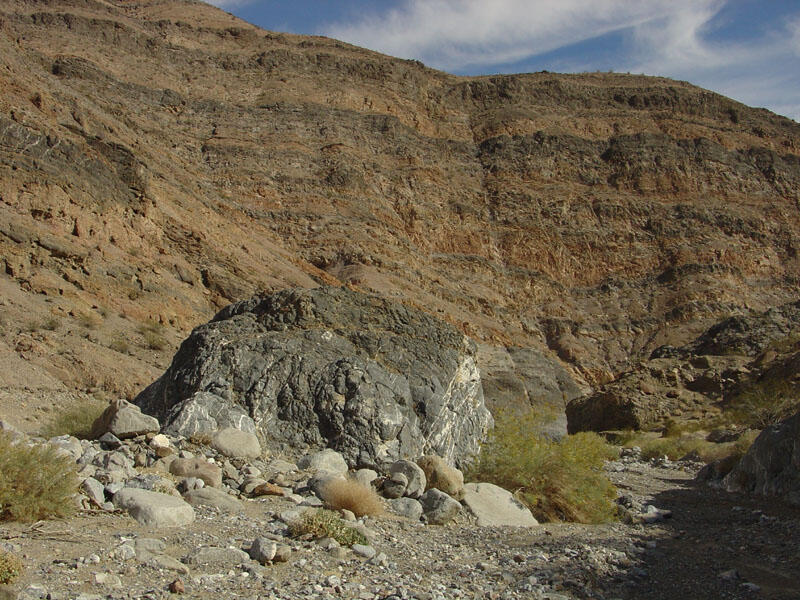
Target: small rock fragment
point(439, 508)
point(363, 550)
point(263, 550)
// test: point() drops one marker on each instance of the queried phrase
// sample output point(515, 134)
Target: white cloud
point(667, 38)
point(758, 72)
point(454, 34)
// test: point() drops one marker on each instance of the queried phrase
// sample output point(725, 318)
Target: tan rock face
point(145, 183)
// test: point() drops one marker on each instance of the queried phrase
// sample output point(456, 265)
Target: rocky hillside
point(160, 159)
point(746, 366)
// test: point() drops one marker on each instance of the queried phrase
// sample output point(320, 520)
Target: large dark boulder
point(374, 379)
point(771, 466)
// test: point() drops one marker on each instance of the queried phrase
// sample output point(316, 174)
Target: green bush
point(76, 419)
point(326, 523)
point(10, 567)
point(558, 480)
point(765, 403)
point(35, 482)
point(676, 448)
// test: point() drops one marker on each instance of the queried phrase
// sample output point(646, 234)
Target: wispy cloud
point(455, 34)
point(760, 72)
point(793, 27)
point(230, 4)
point(674, 39)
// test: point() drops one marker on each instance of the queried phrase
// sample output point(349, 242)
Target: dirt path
point(715, 544)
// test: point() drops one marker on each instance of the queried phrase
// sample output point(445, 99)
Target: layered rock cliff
point(160, 159)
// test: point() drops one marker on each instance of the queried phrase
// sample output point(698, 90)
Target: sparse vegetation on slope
point(558, 480)
point(76, 419)
point(677, 447)
point(765, 403)
point(153, 334)
point(36, 482)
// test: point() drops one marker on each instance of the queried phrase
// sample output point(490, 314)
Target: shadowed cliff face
point(161, 159)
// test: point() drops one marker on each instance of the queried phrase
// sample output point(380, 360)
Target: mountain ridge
point(161, 159)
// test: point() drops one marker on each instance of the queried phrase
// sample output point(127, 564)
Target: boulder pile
point(159, 478)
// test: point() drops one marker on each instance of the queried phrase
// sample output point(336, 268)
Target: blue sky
point(748, 50)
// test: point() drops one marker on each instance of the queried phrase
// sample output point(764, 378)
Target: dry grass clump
point(10, 567)
point(153, 334)
point(75, 420)
point(351, 495)
point(325, 523)
point(36, 483)
point(120, 344)
point(558, 480)
point(88, 321)
point(49, 324)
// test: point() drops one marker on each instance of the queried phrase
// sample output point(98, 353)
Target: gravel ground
point(715, 545)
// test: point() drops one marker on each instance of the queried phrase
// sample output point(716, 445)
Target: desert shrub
point(120, 344)
point(325, 523)
point(674, 428)
point(51, 324)
point(87, 321)
point(10, 567)
point(153, 334)
point(351, 495)
point(558, 480)
point(765, 403)
point(676, 448)
point(76, 419)
point(36, 482)
point(33, 326)
point(740, 447)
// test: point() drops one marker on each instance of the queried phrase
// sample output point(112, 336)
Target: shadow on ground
point(718, 545)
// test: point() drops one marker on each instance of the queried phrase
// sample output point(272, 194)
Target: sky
point(748, 50)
